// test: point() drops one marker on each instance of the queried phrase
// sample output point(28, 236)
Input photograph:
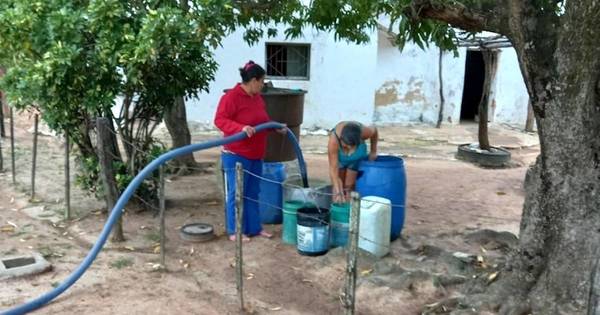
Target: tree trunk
point(530, 118)
point(441, 113)
point(560, 231)
point(490, 59)
point(176, 121)
point(106, 157)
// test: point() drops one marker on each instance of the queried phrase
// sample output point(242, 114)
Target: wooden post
point(349, 294)
point(67, 179)
point(1, 157)
point(239, 213)
point(34, 158)
point(2, 130)
point(107, 172)
point(530, 118)
point(441, 81)
point(12, 145)
point(161, 196)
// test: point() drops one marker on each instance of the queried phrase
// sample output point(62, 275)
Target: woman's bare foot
point(264, 233)
point(244, 238)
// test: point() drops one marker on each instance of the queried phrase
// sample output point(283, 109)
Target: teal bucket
point(289, 230)
point(340, 216)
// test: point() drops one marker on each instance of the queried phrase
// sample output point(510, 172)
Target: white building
point(370, 83)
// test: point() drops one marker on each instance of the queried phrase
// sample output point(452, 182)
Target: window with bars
point(288, 61)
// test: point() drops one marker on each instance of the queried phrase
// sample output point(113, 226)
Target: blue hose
point(126, 195)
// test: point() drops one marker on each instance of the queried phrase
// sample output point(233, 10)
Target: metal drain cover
point(197, 232)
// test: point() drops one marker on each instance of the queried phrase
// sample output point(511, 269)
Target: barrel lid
point(268, 90)
point(370, 201)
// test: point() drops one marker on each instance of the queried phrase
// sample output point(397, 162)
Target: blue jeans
point(251, 224)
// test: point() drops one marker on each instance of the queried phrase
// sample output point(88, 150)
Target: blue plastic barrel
point(385, 177)
point(271, 193)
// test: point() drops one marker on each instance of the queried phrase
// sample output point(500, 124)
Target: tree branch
point(484, 15)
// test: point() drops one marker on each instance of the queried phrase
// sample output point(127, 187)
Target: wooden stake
point(67, 179)
point(239, 212)
point(34, 158)
point(12, 145)
point(349, 294)
point(161, 197)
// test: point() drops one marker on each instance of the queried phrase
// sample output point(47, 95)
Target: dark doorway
point(473, 88)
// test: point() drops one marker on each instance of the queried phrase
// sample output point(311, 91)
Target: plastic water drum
point(271, 193)
point(340, 216)
point(374, 232)
point(385, 177)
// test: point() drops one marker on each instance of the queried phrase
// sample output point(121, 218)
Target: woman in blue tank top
point(346, 148)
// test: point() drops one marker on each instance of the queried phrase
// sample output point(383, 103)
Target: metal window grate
point(288, 60)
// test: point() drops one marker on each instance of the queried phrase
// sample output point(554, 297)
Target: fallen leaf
point(129, 248)
point(7, 229)
point(278, 308)
point(306, 280)
point(192, 251)
point(366, 272)
point(500, 193)
point(157, 250)
point(492, 276)
point(249, 276)
point(10, 223)
point(212, 203)
point(483, 250)
point(186, 266)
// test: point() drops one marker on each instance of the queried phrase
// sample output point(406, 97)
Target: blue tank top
point(359, 154)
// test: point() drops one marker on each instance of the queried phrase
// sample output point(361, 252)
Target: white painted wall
point(371, 83)
point(510, 95)
point(407, 84)
point(340, 85)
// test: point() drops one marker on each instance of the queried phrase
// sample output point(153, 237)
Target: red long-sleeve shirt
point(238, 109)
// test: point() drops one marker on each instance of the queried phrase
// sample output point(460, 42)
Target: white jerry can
point(375, 222)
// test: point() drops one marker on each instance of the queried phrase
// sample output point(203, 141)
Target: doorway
point(473, 85)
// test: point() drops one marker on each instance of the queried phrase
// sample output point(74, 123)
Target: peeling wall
point(340, 85)
point(371, 83)
point(407, 84)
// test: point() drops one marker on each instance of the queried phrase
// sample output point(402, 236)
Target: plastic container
point(313, 231)
point(374, 232)
point(385, 177)
point(270, 196)
point(288, 233)
point(340, 216)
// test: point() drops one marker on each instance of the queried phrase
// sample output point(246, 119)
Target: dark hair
point(351, 134)
point(251, 71)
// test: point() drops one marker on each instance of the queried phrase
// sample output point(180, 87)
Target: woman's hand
point(372, 156)
point(249, 130)
point(283, 130)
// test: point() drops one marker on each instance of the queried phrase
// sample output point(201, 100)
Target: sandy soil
point(447, 200)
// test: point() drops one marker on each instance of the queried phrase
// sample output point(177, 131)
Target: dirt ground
point(447, 201)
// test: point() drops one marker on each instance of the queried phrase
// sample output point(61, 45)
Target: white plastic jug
point(375, 222)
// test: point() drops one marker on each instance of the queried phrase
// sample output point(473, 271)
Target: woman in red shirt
point(240, 109)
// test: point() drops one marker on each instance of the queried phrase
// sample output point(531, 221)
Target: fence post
point(34, 158)
point(239, 193)
point(67, 179)
point(349, 294)
point(1, 157)
point(12, 145)
point(161, 196)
